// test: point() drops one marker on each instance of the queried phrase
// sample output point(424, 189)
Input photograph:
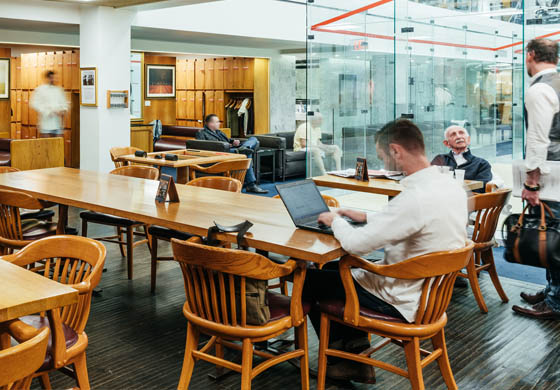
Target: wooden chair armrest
point(83, 287)
point(352, 305)
point(299, 269)
point(358, 262)
point(19, 330)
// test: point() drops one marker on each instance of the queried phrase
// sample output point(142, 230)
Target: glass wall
point(437, 62)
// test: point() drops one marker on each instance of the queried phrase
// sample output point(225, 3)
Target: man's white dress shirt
point(459, 159)
point(541, 102)
point(429, 215)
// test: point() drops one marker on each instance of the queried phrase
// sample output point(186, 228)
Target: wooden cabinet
point(209, 103)
point(24, 72)
point(75, 65)
point(25, 108)
point(13, 106)
point(13, 73)
point(19, 107)
point(142, 137)
point(199, 74)
point(237, 81)
point(219, 106)
point(18, 73)
point(67, 70)
point(248, 73)
point(228, 64)
point(218, 73)
point(33, 116)
point(182, 104)
point(58, 68)
point(209, 73)
point(50, 60)
point(189, 111)
point(32, 68)
point(198, 106)
point(189, 68)
point(181, 77)
point(68, 115)
point(41, 68)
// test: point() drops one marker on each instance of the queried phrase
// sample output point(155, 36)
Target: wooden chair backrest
point(4, 169)
point(139, 171)
point(439, 271)
point(490, 187)
point(10, 220)
point(19, 363)
point(487, 207)
point(331, 201)
point(212, 275)
point(118, 151)
point(234, 168)
point(217, 183)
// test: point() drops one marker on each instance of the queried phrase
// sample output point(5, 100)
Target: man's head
point(49, 76)
point(457, 139)
point(212, 122)
point(541, 54)
point(400, 145)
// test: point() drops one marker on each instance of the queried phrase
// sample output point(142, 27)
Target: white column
point(104, 44)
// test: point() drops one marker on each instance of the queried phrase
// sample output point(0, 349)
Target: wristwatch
point(531, 188)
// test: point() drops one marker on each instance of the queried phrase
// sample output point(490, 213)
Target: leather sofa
point(5, 152)
point(174, 137)
point(292, 163)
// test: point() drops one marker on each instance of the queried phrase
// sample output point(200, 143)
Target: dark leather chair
point(5, 152)
point(174, 137)
point(293, 163)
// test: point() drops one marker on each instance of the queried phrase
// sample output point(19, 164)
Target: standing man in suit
point(212, 132)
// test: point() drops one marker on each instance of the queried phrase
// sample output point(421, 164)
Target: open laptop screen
point(302, 199)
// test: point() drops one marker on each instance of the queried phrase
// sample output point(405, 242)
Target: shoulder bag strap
point(542, 236)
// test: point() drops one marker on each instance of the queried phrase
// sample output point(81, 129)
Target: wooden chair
point(439, 271)
point(77, 262)
point(118, 151)
point(15, 233)
point(487, 207)
point(161, 233)
point(331, 201)
point(490, 187)
point(235, 169)
point(19, 363)
point(124, 226)
point(211, 309)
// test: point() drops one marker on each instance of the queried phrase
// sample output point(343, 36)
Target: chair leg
point(246, 364)
point(129, 250)
point(475, 286)
point(220, 355)
point(147, 237)
point(154, 264)
point(120, 238)
point(488, 258)
point(81, 372)
point(84, 227)
point(301, 338)
point(45, 381)
point(438, 341)
point(188, 361)
point(412, 352)
point(323, 344)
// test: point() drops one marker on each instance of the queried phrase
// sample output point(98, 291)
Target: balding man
point(460, 157)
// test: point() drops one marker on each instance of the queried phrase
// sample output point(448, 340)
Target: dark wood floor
point(136, 339)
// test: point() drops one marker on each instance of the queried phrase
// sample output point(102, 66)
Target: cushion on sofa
point(166, 143)
point(180, 131)
point(5, 158)
point(290, 155)
point(289, 136)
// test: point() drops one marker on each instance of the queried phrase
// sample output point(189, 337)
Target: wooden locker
point(68, 115)
point(67, 70)
point(237, 82)
point(182, 104)
point(18, 73)
point(58, 68)
point(248, 72)
point(25, 108)
point(18, 130)
point(24, 71)
point(13, 106)
point(198, 106)
point(50, 60)
point(33, 116)
point(13, 72)
point(32, 70)
point(209, 103)
point(13, 130)
point(67, 135)
point(199, 74)
point(190, 73)
point(32, 131)
point(219, 103)
point(19, 106)
point(209, 73)
point(24, 132)
point(76, 70)
point(218, 73)
point(181, 69)
point(189, 111)
point(228, 65)
point(41, 67)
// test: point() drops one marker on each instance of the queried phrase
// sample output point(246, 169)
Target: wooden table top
point(134, 198)
point(24, 292)
point(187, 157)
point(374, 186)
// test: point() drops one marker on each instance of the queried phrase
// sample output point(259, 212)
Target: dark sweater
point(476, 168)
point(210, 135)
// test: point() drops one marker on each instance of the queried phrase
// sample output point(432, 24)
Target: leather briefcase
point(533, 239)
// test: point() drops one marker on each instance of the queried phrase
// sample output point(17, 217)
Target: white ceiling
point(136, 4)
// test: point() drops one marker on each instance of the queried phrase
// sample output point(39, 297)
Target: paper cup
point(460, 175)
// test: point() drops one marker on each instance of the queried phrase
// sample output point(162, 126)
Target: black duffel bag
point(533, 239)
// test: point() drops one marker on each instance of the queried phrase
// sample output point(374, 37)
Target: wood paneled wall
point(162, 109)
point(5, 105)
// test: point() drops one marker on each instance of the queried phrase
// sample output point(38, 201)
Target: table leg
point(62, 219)
point(182, 175)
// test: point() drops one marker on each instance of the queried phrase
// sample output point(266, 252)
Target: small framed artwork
point(361, 169)
point(4, 78)
point(160, 81)
point(88, 87)
point(166, 188)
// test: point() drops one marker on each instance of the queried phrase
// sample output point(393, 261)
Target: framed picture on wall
point(88, 87)
point(4, 78)
point(160, 81)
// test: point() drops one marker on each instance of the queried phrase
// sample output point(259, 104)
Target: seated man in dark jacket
point(460, 157)
point(212, 132)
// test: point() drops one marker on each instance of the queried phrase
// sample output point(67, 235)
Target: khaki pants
point(331, 151)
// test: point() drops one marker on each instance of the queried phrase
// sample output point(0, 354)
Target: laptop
point(304, 203)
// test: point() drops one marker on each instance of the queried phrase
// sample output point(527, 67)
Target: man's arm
point(484, 171)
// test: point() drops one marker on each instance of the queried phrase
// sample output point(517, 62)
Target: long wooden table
point(375, 186)
point(25, 292)
point(187, 158)
point(134, 198)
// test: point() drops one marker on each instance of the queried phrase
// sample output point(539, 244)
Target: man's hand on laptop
point(327, 218)
point(356, 216)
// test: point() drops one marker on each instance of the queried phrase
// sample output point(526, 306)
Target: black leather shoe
point(255, 189)
point(539, 311)
point(533, 299)
point(243, 150)
point(348, 370)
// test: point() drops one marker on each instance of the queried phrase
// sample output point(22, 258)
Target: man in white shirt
point(308, 137)
point(429, 215)
point(51, 105)
point(458, 140)
point(542, 119)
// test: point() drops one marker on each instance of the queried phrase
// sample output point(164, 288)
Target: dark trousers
point(251, 144)
point(326, 284)
point(553, 274)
